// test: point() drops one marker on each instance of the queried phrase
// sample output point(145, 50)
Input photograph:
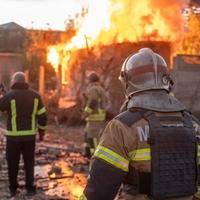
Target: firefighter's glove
point(41, 135)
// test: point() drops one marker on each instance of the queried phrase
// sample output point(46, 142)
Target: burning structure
point(103, 34)
point(116, 29)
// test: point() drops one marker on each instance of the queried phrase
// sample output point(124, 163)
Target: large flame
point(190, 43)
point(111, 21)
point(116, 21)
point(96, 20)
point(53, 58)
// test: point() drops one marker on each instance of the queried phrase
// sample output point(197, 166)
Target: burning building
point(102, 35)
point(110, 31)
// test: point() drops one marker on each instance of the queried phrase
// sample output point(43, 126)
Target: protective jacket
point(124, 148)
point(23, 118)
point(96, 99)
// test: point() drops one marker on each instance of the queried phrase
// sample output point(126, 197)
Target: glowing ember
point(77, 190)
point(53, 175)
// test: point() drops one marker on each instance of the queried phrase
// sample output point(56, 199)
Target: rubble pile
point(60, 169)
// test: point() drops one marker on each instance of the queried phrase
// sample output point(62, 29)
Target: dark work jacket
point(25, 110)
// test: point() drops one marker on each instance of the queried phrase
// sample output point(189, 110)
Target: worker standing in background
point(94, 113)
point(26, 115)
point(152, 145)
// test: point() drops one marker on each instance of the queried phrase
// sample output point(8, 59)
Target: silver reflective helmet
point(145, 70)
point(18, 77)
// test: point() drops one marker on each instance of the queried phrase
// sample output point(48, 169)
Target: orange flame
point(116, 21)
point(53, 58)
point(189, 43)
point(111, 21)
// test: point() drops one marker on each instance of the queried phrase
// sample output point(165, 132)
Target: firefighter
point(26, 115)
point(94, 112)
point(152, 145)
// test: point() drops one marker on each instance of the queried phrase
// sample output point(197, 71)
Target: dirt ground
point(60, 168)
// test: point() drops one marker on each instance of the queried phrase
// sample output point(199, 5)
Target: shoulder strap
point(131, 116)
point(187, 119)
point(195, 119)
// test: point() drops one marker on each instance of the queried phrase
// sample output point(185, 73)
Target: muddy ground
point(60, 168)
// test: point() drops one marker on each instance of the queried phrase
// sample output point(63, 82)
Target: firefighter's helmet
point(93, 77)
point(18, 77)
point(145, 70)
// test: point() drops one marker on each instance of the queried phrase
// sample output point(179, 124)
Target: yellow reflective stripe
point(88, 109)
point(198, 153)
point(42, 127)
point(41, 111)
point(94, 142)
point(21, 133)
point(35, 107)
point(197, 194)
point(13, 115)
point(112, 158)
point(82, 197)
point(140, 154)
point(92, 150)
point(100, 116)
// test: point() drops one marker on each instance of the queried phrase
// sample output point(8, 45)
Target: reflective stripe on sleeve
point(42, 127)
point(82, 197)
point(140, 154)
point(88, 109)
point(112, 158)
point(41, 111)
point(198, 154)
point(198, 151)
point(197, 194)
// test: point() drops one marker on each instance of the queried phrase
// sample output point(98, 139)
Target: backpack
point(173, 155)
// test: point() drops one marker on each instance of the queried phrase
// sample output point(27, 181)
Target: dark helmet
point(93, 77)
point(145, 70)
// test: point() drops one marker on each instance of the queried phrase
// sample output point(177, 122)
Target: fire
point(109, 21)
point(58, 56)
point(77, 190)
point(190, 44)
point(96, 20)
point(115, 21)
point(53, 58)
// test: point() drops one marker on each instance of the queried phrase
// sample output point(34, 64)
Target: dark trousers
point(90, 146)
point(14, 149)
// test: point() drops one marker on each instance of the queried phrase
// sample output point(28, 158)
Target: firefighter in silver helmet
point(152, 144)
point(94, 112)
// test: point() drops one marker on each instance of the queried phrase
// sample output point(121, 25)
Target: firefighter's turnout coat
point(124, 150)
point(25, 110)
point(26, 115)
point(95, 112)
